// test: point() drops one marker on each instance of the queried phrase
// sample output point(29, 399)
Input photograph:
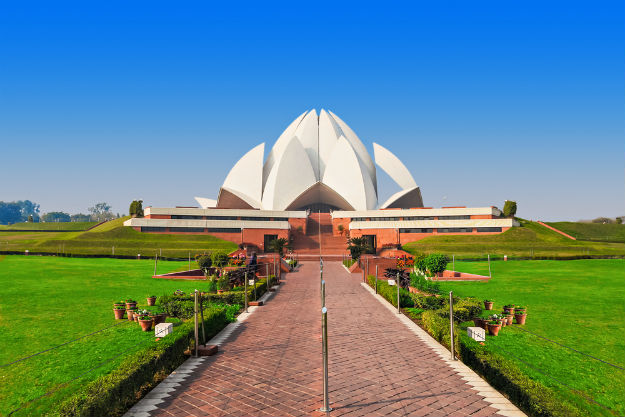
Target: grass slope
point(79, 226)
point(592, 231)
point(49, 300)
point(113, 236)
point(531, 239)
point(577, 303)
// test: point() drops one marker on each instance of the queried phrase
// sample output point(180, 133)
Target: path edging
point(162, 390)
point(477, 383)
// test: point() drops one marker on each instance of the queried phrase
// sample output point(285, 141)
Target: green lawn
point(45, 301)
point(530, 240)
point(592, 231)
point(113, 238)
point(578, 303)
point(74, 226)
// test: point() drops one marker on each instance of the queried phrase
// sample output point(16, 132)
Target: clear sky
point(483, 101)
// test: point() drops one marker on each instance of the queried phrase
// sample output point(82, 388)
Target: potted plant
point(508, 318)
point(131, 313)
point(222, 283)
point(119, 312)
point(509, 308)
point(130, 304)
point(493, 327)
point(119, 304)
point(151, 300)
point(488, 304)
point(145, 322)
point(520, 315)
point(477, 321)
point(139, 313)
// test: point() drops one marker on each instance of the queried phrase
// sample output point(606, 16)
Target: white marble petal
point(329, 133)
point(246, 175)
point(280, 146)
point(206, 202)
point(359, 147)
point(290, 176)
point(393, 167)
point(349, 177)
point(408, 198)
point(308, 134)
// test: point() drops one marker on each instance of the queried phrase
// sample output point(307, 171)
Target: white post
point(451, 324)
point(489, 273)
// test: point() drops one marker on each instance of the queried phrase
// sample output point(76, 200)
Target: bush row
point(114, 393)
point(502, 373)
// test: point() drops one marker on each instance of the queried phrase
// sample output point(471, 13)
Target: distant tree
point(101, 212)
point(619, 220)
point(509, 208)
point(204, 262)
point(602, 220)
point(18, 211)
point(56, 216)
point(136, 208)
point(80, 217)
point(220, 259)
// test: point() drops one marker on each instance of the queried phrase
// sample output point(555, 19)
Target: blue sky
point(483, 101)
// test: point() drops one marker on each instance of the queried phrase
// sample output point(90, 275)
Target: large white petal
point(393, 167)
point(246, 175)
point(348, 176)
point(290, 176)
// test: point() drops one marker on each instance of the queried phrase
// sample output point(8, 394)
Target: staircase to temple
point(319, 226)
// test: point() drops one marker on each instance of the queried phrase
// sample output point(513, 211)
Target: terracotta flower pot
point(146, 325)
point(493, 329)
point(220, 291)
point(151, 301)
point(503, 322)
point(520, 318)
point(136, 318)
point(130, 314)
point(130, 306)
point(477, 321)
point(509, 310)
point(119, 314)
point(122, 305)
point(509, 319)
point(488, 305)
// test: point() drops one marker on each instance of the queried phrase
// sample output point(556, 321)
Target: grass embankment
point(113, 238)
point(592, 231)
point(528, 241)
point(65, 226)
point(576, 303)
point(46, 301)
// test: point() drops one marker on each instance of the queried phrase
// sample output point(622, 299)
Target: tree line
point(28, 211)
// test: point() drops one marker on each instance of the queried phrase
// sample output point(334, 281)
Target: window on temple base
point(186, 230)
point(268, 239)
point(455, 230)
point(488, 229)
point(415, 230)
point(454, 217)
point(371, 241)
point(153, 229)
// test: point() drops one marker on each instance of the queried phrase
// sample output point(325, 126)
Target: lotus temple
point(316, 185)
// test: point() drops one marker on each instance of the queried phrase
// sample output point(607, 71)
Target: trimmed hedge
point(114, 393)
point(389, 292)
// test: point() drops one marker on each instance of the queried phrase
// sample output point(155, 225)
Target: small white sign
point(163, 329)
point(476, 333)
point(250, 282)
point(391, 282)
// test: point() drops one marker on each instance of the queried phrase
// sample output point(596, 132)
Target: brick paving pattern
point(271, 364)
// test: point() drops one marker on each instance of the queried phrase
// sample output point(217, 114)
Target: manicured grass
point(46, 301)
point(113, 238)
point(530, 240)
point(578, 303)
point(49, 226)
point(592, 231)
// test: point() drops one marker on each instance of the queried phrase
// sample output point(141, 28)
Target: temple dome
point(317, 163)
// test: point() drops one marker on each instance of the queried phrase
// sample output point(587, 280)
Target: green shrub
point(419, 282)
point(220, 259)
point(389, 292)
point(419, 262)
point(114, 393)
point(427, 302)
point(204, 262)
point(436, 262)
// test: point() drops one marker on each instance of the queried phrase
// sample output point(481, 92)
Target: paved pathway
point(270, 364)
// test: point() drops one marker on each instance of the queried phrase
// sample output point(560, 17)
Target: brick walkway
point(271, 364)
